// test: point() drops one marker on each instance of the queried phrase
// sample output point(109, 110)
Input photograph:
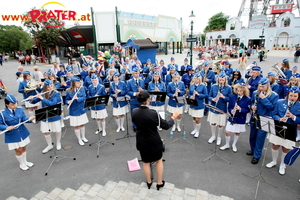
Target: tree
point(217, 21)
point(44, 35)
point(14, 38)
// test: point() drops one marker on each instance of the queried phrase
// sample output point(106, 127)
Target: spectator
point(37, 74)
point(296, 55)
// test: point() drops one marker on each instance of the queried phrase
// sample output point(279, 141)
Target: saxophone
point(204, 77)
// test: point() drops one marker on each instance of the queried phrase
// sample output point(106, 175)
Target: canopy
point(140, 44)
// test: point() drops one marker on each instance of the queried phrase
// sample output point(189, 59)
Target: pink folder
point(133, 165)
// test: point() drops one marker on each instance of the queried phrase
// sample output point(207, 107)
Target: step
point(124, 191)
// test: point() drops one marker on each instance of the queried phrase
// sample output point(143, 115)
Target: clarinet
point(236, 103)
point(255, 104)
point(288, 109)
point(220, 89)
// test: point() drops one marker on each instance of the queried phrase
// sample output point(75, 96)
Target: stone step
point(124, 191)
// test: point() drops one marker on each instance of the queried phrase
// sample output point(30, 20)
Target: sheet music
point(264, 121)
point(153, 98)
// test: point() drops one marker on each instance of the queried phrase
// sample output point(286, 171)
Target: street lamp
point(262, 37)
point(192, 16)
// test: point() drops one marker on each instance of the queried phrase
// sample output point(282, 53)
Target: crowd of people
point(236, 97)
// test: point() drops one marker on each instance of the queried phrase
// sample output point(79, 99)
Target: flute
point(75, 96)
point(15, 126)
point(36, 95)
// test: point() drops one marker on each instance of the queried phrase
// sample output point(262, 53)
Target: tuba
point(281, 76)
point(216, 67)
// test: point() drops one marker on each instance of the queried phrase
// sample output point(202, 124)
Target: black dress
point(148, 140)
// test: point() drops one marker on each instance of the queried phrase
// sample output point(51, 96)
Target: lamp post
point(192, 16)
point(262, 37)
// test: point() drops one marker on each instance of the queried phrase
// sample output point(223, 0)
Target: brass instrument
point(31, 85)
point(204, 77)
point(37, 95)
point(216, 67)
point(62, 80)
point(276, 69)
point(199, 65)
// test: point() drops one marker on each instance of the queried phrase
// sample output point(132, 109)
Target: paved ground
point(183, 166)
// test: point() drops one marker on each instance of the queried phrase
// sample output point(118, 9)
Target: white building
point(285, 31)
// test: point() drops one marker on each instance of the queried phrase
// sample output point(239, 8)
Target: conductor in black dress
point(148, 140)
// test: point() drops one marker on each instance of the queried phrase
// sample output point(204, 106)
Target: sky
point(180, 9)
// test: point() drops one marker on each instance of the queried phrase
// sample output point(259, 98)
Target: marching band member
point(286, 110)
point(186, 79)
point(52, 77)
point(238, 107)
point(52, 124)
point(88, 79)
point(157, 85)
point(148, 67)
point(85, 71)
point(254, 79)
point(163, 70)
point(219, 96)
point(236, 78)
point(294, 72)
point(134, 87)
point(228, 69)
point(263, 103)
point(173, 64)
point(198, 92)
point(110, 75)
point(285, 67)
point(75, 98)
point(62, 71)
point(27, 89)
point(208, 78)
point(169, 76)
point(185, 65)
point(274, 86)
point(175, 89)
point(118, 89)
point(294, 81)
point(98, 112)
point(137, 64)
point(17, 137)
point(99, 68)
point(150, 75)
point(125, 70)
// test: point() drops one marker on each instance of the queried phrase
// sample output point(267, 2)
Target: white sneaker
point(178, 128)
point(81, 143)
point(122, 129)
point(193, 132)
point(97, 132)
point(234, 149)
point(271, 164)
point(24, 167)
point(84, 139)
point(48, 148)
point(29, 164)
point(103, 133)
point(224, 147)
point(173, 128)
point(118, 130)
point(219, 141)
point(281, 169)
point(211, 139)
point(196, 134)
point(186, 111)
point(58, 146)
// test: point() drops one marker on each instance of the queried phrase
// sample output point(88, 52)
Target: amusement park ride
point(270, 8)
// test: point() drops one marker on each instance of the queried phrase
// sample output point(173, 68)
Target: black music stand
point(91, 102)
point(182, 72)
point(102, 78)
point(184, 101)
point(266, 124)
point(45, 114)
point(59, 79)
point(106, 85)
point(127, 76)
point(156, 96)
point(126, 98)
point(215, 153)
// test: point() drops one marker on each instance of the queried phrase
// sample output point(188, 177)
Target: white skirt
point(98, 114)
point(172, 109)
point(158, 108)
point(30, 105)
point(196, 113)
point(289, 144)
point(16, 145)
point(235, 128)
point(78, 120)
point(51, 126)
point(120, 111)
point(218, 119)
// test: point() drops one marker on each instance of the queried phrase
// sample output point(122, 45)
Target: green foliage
point(14, 38)
point(217, 21)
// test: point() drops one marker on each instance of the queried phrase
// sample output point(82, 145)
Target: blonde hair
point(245, 89)
point(36, 68)
point(269, 90)
point(290, 83)
point(192, 81)
point(273, 79)
point(226, 81)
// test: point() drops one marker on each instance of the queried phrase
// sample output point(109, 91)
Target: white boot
point(22, 164)
point(235, 139)
point(28, 164)
point(282, 165)
point(226, 146)
point(197, 133)
point(103, 128)
point(194, 131)
point(122, 123)
point(178, 124)
point(186, 108)
point(213, 134)
point(82, 132)
point(58, 138)
point(174, 126)
point(219, 139)
point(275, 154)
point(99, 127)
point(49, 143)
point(77, 133)
point(118, 121)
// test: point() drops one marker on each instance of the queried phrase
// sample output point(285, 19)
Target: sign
point(258, 21)
point(191, 39)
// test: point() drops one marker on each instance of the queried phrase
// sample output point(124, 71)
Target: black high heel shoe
point(160, 186)
point(149, 184)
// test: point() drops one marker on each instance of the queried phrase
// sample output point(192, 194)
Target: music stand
point(127, 76)
point(125, 98)
point(182, 72)
point(106, 85)
point(183, 100)
point(215, 153)
point(91, 102)
point(267, 124)
point(45, 114)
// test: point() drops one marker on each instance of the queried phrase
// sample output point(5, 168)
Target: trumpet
point(36, 95)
